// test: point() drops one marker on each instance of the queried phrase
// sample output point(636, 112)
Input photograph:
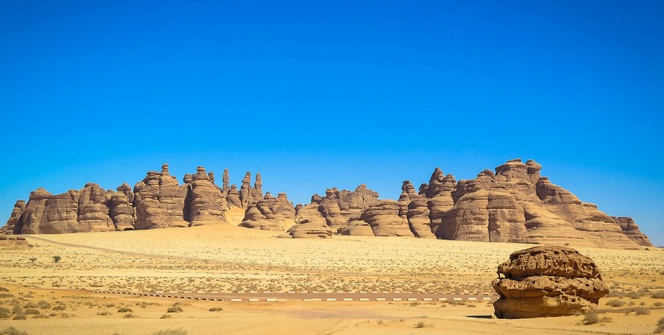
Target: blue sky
point(318, 94)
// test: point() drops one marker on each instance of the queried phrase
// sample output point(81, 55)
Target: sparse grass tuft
point(592, 318)
point(421, 324)
point(13, 331)
point(178, 331)
point(615, 303)
point(660, 326)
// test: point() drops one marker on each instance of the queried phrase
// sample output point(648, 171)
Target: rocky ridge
point(512, 203)
point(158, 201)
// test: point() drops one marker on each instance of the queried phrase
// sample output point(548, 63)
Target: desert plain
point(41, 296)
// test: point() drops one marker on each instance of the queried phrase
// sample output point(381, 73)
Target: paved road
point(310, 296)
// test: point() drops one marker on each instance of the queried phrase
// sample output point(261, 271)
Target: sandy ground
point(56, 299)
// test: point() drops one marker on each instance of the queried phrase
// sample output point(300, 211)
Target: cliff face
point(158, 201)
point(512, 203)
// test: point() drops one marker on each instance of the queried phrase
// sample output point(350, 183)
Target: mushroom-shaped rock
point(547, 281)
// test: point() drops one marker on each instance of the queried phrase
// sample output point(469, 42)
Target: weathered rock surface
point(121, 209)
point(338, 208)
point(514, 203)
point(418, 218)
point(205, 203)
point(61, 214)
point(310, 230)
point(632, 231)
point(93, 213)
point(270, 213)
point(159, 201)
point(12, 242)
point(233, 197)
point(547, 281)
point(250, 195)
point(309, 222)
point(19, 208)
point(384, 219)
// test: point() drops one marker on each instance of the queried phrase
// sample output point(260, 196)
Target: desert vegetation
point(213, 258)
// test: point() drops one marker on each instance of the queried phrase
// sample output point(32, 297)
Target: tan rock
point(418, 218)
point(270, 213)
point(356, 227)
point(93, 213)
point(311, 230)
point(30, 220)
point(547, 281)
point(19, 208)
point(62, 213)
point(383, 217)
point(121, 209)
point(205, 202)
point(632, 231)
point(233, 197)
point(159, 201)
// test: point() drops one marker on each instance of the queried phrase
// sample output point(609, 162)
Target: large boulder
point(547, 281)
point(310, 230)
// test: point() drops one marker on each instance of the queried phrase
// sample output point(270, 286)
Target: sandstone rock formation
point(516, 204)
point(19, 208)
point(233, 197)
point(632, 231)
point(270, 213)
point(93, 213)
point(384, 219)
point(547, 281)
point(418, 218)
point(337, 209)
point(250, 195)
point(159, 201)
point(121, 209)
point(205, 204)
point(513, 203)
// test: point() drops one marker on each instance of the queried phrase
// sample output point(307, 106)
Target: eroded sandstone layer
point(158, 201)
point(547, 281)
point(512, 203)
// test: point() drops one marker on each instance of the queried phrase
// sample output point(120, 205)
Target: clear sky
point(320, 94)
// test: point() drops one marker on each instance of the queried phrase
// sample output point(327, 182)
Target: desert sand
point(59, 298)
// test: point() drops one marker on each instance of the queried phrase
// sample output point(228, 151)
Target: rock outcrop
point(512, 203)
point(205, 203)
point(384, 219)
point(338, 209)
point(93, 212)
point(12, 242)
point(159, 201)
point(17, 212)
point(547, 281)
point(632, 231)
point(121, 209)
point(270, 213)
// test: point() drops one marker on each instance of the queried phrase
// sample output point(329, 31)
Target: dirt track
point(311, 296)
